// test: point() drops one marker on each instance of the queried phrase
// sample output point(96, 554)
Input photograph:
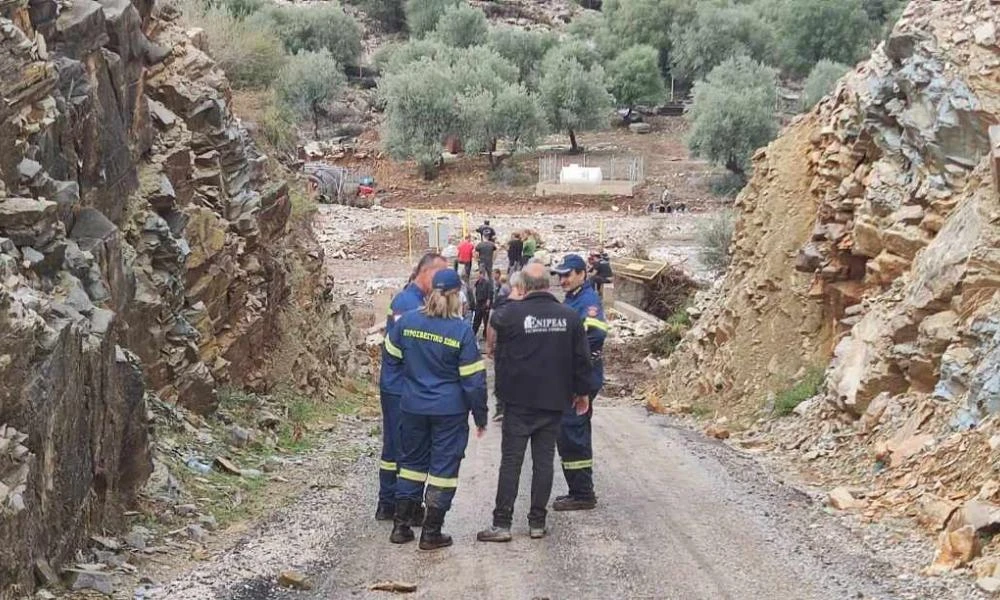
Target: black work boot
point(570, 503)
point(401, 532)
point(417, 518)
point(385, 511)
point(431, 537)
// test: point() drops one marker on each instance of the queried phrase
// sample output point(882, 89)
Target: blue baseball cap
point(570, 262)
point(446, 280)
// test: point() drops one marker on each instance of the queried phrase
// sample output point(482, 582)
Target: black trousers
point(481, 317)
point(520, 425)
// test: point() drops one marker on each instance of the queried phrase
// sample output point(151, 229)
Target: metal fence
point(613, 167)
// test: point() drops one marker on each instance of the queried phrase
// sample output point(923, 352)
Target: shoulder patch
point(592, 311)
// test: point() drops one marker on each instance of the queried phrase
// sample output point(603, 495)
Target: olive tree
point(422, 15)
point(523, 48)
point(732, 113)
point(635, 78)
point(308, 80)
point(593, 29)
point(811, 30)
point(511, 114)
point(314, 27)
point(462, 26)
point(648, 22)
point(573, 97)
point(820, 81)
point(470, 92)
point(717, 34)
point(419, 112)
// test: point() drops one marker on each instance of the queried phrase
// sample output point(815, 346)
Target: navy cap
point(570, 262)
point(446, 280)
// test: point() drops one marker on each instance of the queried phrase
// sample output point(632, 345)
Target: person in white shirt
point(450, 253)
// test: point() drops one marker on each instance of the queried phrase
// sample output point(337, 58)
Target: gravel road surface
point(680, 517)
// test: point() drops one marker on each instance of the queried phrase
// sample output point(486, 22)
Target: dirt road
point(680, 517)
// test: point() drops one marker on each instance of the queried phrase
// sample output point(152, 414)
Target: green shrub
point(715, 235)
point(820, 82)
point(250, 56)
point(462, 26)
point(309, 80)
point(277, 125)
point(396, 57)
point(315, 27)
point(422, 15)
point(238, 9)
point(733, 113)
point(510, 176)
point(810, 385)
point(726, 185)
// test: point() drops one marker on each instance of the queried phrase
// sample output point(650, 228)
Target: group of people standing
point(548, 369)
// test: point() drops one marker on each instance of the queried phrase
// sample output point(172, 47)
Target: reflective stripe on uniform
point(442, 482)
point(413, 475)
point(573, 465)
point(392, 349)
point(592, 322)
point(471, 369)
point(387, 465)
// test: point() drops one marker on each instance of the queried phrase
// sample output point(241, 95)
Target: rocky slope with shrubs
point(868, 245)
point(144, 251)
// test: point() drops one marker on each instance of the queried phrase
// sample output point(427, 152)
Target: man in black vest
point(542, 347)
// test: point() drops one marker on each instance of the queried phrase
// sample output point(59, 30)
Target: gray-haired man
point(543, 368)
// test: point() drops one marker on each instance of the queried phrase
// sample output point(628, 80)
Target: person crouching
point(444, 380)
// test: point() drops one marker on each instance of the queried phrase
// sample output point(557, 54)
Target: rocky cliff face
point(143, 250)
point(869, 245)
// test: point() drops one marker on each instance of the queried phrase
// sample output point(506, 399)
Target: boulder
point(28, 222)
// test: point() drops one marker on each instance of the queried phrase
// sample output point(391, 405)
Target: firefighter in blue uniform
point(574, 444)
point(391, 384)
point(444, 380)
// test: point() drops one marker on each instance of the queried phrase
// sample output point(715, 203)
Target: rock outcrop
point(869, 244)
point(143, 250)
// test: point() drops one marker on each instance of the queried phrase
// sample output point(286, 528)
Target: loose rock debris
point(394, 586)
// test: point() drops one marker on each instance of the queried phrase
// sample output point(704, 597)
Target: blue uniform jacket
point(442, 370)
point(585, 301)
point(390, 380)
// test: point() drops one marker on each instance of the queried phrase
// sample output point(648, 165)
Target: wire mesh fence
point(614, 167)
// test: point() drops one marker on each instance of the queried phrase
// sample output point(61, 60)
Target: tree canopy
point(820, 81)
point(308, 80)
point(422, 15)
point(811, 30)
point(462, 26)
point(573, 97)
point(732, 113)
point(635, 77)
point(717, 34)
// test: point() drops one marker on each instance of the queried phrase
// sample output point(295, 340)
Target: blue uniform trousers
point(577, 452)
point(433, 448)
point(389, 465)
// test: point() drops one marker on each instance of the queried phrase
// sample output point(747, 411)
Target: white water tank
point(576, 174)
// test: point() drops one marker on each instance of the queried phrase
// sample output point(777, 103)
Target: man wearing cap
point(600, 270)
point(444, 380)
point(574, 444)
point(391, 382)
